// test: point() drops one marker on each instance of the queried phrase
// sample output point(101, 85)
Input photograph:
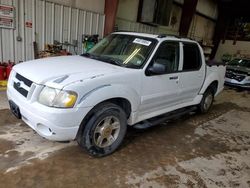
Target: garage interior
point(210, 150)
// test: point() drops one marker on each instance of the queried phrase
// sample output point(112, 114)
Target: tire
point(104, 131)
point(206, 102)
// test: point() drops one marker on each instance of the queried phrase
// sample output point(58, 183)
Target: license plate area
point(15, 109)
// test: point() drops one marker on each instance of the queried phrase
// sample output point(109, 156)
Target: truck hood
point(64, 70)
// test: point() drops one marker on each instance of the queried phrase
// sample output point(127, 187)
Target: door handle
point(173, 78)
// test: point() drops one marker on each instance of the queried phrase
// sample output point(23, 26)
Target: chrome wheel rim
point(107, 131)
point(208, 101)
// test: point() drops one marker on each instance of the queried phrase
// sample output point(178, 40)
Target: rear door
point(193, 73)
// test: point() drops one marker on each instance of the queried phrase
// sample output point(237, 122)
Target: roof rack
point(127, 31)
point(158, 36)
point(124, 31)
point(167, 35)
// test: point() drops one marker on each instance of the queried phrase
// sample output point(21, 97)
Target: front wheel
point(104, 131)
point(206, 102)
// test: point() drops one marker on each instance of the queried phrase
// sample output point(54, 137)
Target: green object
point(89, 42)
point(87, 46)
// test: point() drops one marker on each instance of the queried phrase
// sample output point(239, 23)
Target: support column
point(188, 11)
point(220, 29)
point(110, 15)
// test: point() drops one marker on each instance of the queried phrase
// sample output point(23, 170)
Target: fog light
point(44, 130)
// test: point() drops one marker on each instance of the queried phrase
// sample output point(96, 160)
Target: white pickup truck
point(126, 79)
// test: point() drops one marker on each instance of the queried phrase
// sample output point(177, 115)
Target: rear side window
point(192, 57)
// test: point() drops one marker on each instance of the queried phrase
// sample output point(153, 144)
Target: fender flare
point(110, 91)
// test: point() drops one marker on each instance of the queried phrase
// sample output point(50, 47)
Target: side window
point(192, 58)
point(168, 55)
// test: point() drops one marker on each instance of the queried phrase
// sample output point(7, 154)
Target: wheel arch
point(211, 82)
point(119, 101)
point(213, 86)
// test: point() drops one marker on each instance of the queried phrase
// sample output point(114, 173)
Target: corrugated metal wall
point(127, 25)
point(50, 22)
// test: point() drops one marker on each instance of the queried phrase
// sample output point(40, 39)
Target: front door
point(161, 91)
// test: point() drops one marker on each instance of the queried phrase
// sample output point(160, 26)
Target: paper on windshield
point(142, 42)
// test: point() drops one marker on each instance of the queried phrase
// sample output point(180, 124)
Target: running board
point(163, 118)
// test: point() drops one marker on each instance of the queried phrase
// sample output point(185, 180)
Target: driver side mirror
point(157, 68)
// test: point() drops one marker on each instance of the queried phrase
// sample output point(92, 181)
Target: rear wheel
point(207, 101)
point(104, 131)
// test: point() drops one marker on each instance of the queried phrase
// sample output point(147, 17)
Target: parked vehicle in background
point(127, 79)
point(238, 73)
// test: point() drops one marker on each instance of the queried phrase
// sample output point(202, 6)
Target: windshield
point(123, 50)
point(240, 62)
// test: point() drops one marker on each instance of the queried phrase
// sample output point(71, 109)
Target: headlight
point(248, 78)
point(57, 98)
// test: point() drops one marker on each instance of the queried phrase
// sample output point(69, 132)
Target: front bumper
point(52, 123)
point(235, 83)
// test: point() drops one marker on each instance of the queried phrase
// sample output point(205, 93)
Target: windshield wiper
point(103, 58)
point(109, 60)
point(86, 54)
point(112, 61)
point(91, 56)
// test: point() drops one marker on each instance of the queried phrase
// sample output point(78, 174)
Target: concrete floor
point(211, 150)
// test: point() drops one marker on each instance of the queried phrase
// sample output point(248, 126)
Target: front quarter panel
point(96, 90)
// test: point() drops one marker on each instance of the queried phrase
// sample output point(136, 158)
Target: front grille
point(25, 80)
point(20, 90)
point(232, 75)
point(237, 71)
point(22, 84)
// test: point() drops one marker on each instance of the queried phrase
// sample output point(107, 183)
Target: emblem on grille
point(18, 84)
